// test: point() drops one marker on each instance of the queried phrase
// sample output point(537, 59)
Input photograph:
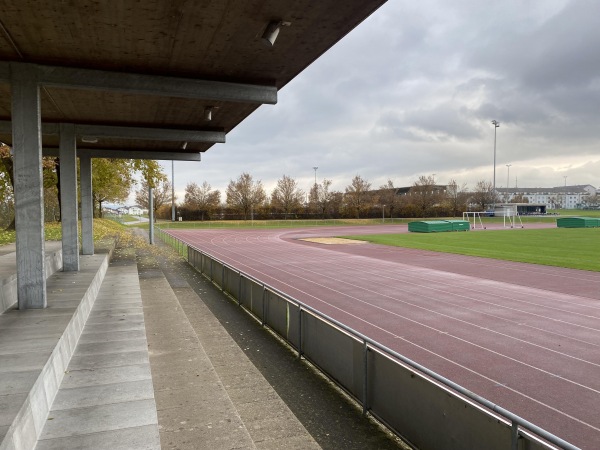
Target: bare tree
point(287, 196)
point(425, 194)
point(244, 194)
point(320, 197)
point(389, 197)
point(358, 197)
point(161, 195)
point(484, 194)
point(456, 197)
point(202, 198)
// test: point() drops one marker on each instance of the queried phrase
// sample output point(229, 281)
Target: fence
point(426, 409)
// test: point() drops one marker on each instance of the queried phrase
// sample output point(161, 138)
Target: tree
point(456, 197)
point(425, 194)
point(388, 197)
point(202, 198)
point(244, 194)
point(358, 197)
point(320, 197)
point(49, 171)
point(519, 198)
point(484, 194)
point(287, 197)
point(112, 180)
point(161, 194)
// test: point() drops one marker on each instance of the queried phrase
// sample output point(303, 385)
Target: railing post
point(514, 436)
point(264, 306)
point(299, 332)
point(365, 377)
point(239, 288)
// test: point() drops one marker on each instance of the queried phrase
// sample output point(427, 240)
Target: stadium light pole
point(315, 169)
point(496, 125)
point(507, 179)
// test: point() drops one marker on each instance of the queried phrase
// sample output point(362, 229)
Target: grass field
point(576, 248)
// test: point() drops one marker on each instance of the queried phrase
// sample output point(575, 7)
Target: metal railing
point(421, 406)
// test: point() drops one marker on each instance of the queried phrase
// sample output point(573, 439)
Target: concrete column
point(68, 198)
point(29, 196)
point(87, 205)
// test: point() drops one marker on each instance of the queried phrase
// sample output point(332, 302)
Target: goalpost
point(476, 216)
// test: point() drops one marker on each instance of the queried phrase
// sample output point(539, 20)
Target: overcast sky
point(412, 91)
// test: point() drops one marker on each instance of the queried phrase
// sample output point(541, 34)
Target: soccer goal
point(474, 218)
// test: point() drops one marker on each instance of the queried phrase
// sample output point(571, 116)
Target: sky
point(412, 91)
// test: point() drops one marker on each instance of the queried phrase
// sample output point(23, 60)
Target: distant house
point(563, 197)
point(134, 210)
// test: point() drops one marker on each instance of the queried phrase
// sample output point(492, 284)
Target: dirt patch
point(333, 240)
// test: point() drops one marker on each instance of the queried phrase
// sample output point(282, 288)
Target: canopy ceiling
point(154, 63)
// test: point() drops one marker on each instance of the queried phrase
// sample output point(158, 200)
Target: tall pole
point(172, 191)
point(150, 216)
point(565, 177)
point(496, 125)
point(315, 168)
point(507, 179)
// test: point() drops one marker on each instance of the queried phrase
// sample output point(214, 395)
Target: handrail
point(514, 418)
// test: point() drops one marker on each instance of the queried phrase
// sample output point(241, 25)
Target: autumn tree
point(388, 197)
point(201, 198)
point(358, 197)
point(244, 194)
point(320, 197)
point(484, 195)
point(161, 194)
point(425, 194)
point(456, 197)
point(287, 196)
point(112, 180)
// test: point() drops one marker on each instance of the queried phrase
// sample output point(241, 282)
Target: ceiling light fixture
point(208, 113)
point(272, 31)
point(184, 146)
point(89, 139)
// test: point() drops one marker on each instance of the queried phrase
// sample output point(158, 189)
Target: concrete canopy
point(161, 63)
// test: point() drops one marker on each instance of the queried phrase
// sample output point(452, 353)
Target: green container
point(460, 225)
point(578, 222)
point(430, 226)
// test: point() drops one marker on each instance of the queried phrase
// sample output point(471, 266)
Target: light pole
point(383, 214)
point(507, 180)
point(496, 125)
point(172, 190)
point(565, 177)
point(315, 169)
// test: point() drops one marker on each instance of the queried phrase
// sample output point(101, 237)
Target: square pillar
point(87, 205)
point(29, 195)
point(68, 198)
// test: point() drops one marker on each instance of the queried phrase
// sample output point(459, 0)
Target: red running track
point(524, 336)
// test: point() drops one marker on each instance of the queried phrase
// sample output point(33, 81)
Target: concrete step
point(35, 348)
point(208, 394)
point(8, 271)
point(106, 399)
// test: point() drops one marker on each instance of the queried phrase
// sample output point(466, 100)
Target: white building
point(562, 197)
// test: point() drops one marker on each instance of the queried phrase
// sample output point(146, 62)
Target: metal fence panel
point(231, 282)
point(276, 313)
point(338, 354)
point(427, 414)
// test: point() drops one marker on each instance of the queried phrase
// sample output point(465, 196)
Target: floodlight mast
point(496, 125)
